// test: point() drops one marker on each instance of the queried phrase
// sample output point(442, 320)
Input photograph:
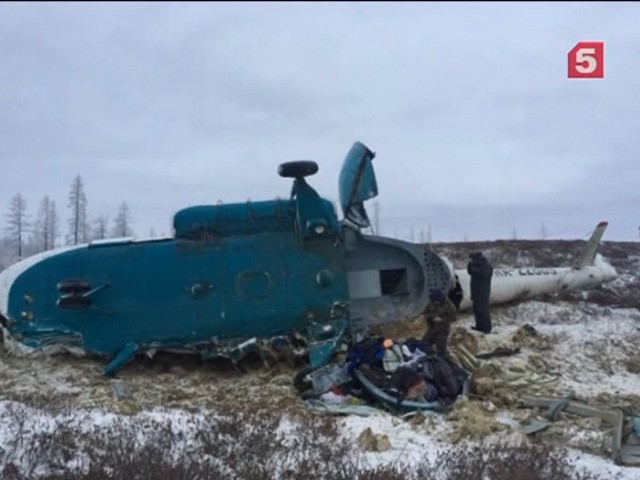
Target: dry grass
point(243, 445)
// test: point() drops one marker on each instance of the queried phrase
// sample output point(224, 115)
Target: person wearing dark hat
point(481, 272)
point(439, 313)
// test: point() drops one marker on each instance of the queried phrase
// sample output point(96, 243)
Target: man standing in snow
point(439, 313)
point(481, 272)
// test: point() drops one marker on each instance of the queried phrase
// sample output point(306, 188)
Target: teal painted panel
point(180, 292)
point(233, 219)
point(357, 183)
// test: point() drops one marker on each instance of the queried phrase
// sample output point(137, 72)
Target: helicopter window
point(254, 284)
point(394, 282)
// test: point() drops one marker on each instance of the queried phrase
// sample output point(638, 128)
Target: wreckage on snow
point(280, 274)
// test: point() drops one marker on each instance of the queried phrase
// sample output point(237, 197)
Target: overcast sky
point(477, 129)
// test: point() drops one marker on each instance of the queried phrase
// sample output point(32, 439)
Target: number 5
point(586, 60)
point(586, 55)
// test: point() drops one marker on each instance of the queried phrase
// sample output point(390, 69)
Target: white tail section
point(588, 253)
point(509, 284)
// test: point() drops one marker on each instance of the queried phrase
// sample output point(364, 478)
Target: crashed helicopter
point(286, 274)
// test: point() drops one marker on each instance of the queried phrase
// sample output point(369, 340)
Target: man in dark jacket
point(480, 271)
point(439, 313)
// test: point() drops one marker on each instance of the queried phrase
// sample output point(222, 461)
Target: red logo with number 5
point(586, 60)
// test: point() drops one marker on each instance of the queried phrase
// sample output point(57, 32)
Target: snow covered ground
point(586, 345)
point(589, 346)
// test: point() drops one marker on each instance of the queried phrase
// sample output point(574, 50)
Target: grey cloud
point(170, 104)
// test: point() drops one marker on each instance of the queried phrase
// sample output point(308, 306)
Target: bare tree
point(376, 217)
point(54, 224)
point(17, 221)
point(100, 231)
point(42, 228)
point(48, 223)
point(78, 221)
point(122, 222)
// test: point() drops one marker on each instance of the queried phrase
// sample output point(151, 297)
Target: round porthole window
point(324, 278)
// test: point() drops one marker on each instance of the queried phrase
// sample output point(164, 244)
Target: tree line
point(26, 236)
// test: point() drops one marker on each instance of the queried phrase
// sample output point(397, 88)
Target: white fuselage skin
point(519, 283)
